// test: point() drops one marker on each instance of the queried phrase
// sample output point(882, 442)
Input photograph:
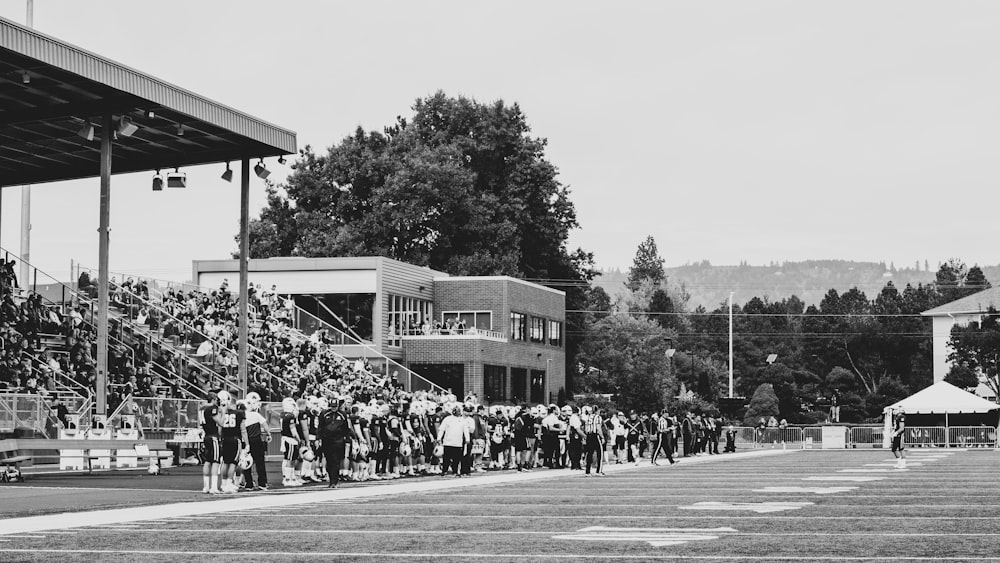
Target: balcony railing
point(469, 333)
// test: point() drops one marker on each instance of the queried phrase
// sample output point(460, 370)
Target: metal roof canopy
point(50, 90)
point(67, 87)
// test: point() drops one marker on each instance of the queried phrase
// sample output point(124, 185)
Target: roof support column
point(244, 327)
point(103, 286)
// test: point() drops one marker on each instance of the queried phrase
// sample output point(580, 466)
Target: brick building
point(510, 345)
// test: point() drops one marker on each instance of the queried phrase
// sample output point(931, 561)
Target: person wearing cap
point(665, 438)
point(551, 428)
point(593, 428)
point(633, 432)
point(618, 435)
point(523, 428)
point(575, 439)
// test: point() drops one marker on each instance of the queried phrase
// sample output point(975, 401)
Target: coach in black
point(334, 429)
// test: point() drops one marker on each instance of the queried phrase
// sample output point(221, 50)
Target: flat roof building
point(499, 337)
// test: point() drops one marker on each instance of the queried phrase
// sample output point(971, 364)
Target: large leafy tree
point(461, 186)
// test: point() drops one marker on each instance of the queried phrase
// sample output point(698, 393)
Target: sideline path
point(64, 521)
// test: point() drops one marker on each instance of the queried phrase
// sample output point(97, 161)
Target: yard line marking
point(106, 489)
point(884, 470)
point(600, 516)
point(814, 490)
point(656, 537)
point(888, 464)
point(758, 507)
point(466, 555)
point(26, 537)
point(852, 478)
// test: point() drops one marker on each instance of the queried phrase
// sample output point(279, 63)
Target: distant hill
point(809, 280)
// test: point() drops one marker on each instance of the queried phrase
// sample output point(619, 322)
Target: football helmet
point(306, 453)
point(245, 462)
point(224, 398)
point(404, 449)
point(288, 405)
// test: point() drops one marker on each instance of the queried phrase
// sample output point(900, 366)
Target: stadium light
point(261, 171)
point(157, 182)
point(126, 127)
point(281, 160)
point(87, 131)
point(177, 179)
point(228, 174)
point(26, 78)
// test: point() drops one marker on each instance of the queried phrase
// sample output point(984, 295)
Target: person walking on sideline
point(665, 430)
point(593, 428)
point(898, 427)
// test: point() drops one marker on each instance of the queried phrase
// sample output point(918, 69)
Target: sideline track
point(71, 520)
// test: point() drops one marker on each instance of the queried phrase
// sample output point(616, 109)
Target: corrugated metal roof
point(70, 86)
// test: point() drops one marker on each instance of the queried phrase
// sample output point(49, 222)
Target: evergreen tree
point(763, 404)
point(646, 266)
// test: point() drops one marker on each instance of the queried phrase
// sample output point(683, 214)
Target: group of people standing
point(332, 438)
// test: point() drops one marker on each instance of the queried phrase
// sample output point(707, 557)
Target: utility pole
point(731, 344)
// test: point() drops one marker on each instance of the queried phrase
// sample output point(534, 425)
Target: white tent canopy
point(943, 398)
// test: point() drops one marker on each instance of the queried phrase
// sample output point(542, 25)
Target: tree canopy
point(461, 186)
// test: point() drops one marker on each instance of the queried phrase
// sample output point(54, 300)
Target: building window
point(495, 383)
point(518, 385)
point(480, 320)
point(518, 326)
point(537, 330)
point(555, 333)
point(408, 317)
point(345, 312)
point(538, 386)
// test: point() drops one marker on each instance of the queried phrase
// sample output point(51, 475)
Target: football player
point(259, 435)
point(290, 440)
point(210, 419)
point(234, 436)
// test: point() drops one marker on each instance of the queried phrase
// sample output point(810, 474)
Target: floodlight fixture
point(157, 182)
point(180, 130)
point(670, 352)
point(261, 171)
point(87, 131)
point(228, 174)
point(771, 358)
point(177, 179)
point(126, 127)
point(26, 78)
point(281, 160)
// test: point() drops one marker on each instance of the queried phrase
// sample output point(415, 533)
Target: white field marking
point(541, 533)
point(599, 516)
point(656, 537)
point(524, 556)
point(112, 489)
point(853, 478)
point(813, 490)
point(279, 502)
point(890, 465)
point(871, 470)
point(26, 537)
point(758, 507)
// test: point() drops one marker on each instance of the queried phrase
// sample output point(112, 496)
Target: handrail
point(388, 361)
point(91, 306)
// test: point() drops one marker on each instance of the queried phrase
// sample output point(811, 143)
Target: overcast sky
point(730, 131)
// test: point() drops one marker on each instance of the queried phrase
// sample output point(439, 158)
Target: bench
point(155, 448)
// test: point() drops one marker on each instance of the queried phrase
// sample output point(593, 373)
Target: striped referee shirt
point(593, 425)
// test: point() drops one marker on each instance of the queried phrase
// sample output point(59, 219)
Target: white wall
point(942, 335)
point(299, 282)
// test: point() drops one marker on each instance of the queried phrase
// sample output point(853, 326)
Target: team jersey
point(231, 421)
point(288, 428)
point(207, 420)
point(898, 422)
point(303, 416)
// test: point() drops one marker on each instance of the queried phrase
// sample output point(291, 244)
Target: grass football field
point(756, 506)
